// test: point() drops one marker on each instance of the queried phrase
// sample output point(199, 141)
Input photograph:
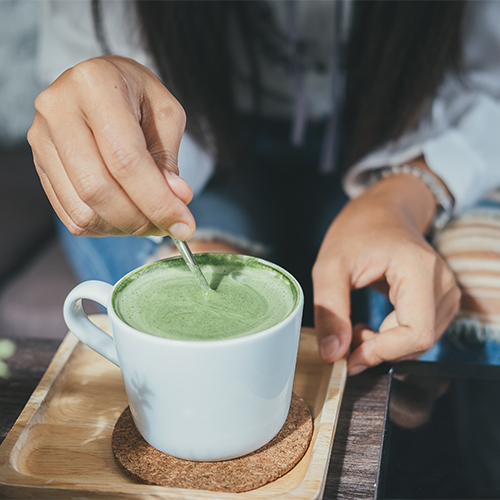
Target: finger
point(332, 311)
point(414, 297)
point(407, 331)
point(179, 186)
point(388, 346)
point(395, 346)
point(61, 212)
point(93, 183)
point(77, 217)
point(158, 131)
point(361, 333)
point(123, 147)
point(389, 322)
point(447, 310)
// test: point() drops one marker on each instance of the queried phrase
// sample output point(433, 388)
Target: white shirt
point(459, 135)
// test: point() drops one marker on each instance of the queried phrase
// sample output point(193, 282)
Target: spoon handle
point(188, 257)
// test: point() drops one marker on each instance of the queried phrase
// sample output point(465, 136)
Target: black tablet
point(442, 433)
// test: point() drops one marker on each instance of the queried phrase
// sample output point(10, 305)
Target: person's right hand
point(105, 139)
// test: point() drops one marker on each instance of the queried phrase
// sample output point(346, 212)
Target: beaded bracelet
point(444, 201)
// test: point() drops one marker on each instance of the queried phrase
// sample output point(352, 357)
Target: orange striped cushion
point(470, 244)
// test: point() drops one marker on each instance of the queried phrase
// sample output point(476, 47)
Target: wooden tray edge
point(322, 450)
point(311, 487)
point(35, 402)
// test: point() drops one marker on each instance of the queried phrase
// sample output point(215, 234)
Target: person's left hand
point(378, 240)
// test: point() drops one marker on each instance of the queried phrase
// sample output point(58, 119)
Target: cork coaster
point(148, 465)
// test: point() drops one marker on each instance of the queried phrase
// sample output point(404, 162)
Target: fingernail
point(180, 231)
point(173, 177)
point(171, 174)
point(328, 347)
point(357, 369)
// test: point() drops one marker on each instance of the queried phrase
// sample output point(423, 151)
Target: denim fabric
point(107, 259)
point(449, 351)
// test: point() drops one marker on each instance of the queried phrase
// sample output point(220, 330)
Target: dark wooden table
point(354, 461)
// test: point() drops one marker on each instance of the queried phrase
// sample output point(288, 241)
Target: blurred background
point(34, 274)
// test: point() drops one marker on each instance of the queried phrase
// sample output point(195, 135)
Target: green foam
point(164, 298)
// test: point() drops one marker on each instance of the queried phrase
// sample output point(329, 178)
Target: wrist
point(425, 196)
point(405, 199)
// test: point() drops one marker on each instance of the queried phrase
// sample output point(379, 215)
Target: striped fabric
point(470, 244)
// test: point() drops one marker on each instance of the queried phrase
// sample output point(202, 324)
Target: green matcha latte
point(164, 298)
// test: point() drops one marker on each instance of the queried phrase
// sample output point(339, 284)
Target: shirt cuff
point(452, 159)
point(465, 157)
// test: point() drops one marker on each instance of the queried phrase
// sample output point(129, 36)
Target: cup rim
point(197, 343)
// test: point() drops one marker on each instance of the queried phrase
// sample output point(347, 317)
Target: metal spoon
point(189, 259)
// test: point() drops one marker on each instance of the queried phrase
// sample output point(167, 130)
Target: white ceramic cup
point(197, 400)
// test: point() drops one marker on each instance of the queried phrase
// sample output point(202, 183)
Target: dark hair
point(192, 42)
point(397, 55)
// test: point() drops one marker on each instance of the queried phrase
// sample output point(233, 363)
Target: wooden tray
point(60, 446)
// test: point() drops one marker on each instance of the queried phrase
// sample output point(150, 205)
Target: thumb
point(332, 307)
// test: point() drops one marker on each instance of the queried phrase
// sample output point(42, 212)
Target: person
point(285, 103)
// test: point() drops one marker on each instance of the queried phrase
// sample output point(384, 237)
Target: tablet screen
point(442, 433)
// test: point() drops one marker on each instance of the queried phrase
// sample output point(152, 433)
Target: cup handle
point(79, 323)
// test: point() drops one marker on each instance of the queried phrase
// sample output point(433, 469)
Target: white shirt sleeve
point(67, 37)
point(459, 136)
